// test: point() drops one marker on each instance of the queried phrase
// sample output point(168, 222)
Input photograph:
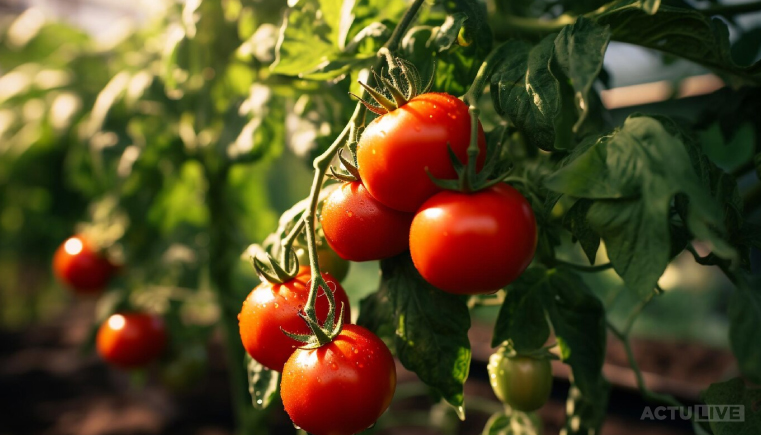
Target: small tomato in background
point(131, 340)
point(79, 266)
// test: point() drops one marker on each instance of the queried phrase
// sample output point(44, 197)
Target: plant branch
point(646, 392)
point(322, 162)
point(583, 268)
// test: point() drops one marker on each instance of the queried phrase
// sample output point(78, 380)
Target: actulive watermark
point(722, 413)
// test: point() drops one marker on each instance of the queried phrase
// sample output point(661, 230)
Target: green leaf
point(306, 41)
point(521, 317)
point(512, 423)
point(578, 319)
point(447, 34)
point(576, 221)
point(686, 33)
point(263, 383)
point(586, 412)
point(431, 328)
point(633, 176)
point(321, 39)
point(579, 51)
point(735, 392)
point(745, 322)
point(729, 152)
point(527, 92)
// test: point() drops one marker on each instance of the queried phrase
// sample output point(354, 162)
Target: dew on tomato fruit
point(350, 214)
point(334, 366)
point(296, 427)
point(276, 305)
point(356, 351)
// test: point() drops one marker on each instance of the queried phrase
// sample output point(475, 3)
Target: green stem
point(287, 243)
point(221, 270)
point(646, 392)
point(583, 268)
point(322, 162)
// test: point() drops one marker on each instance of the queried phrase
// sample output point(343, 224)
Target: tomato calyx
point(469, 178)
point(321, 334)
point(351, 169)
point(271, 270)
point(395, 89)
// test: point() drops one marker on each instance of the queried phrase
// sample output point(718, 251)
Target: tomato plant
point(473, 243)
point(273, 307)
point(131, 340)
point(359, 228)
point(397, 149)
point(342, 387)
point(79, 265)
point(523, 382)
point(188, 138)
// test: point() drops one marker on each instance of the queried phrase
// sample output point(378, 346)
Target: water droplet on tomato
point(350, 214)
point(334, 366)
point(276, 305)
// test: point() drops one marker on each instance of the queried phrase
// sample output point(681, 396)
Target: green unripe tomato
point(185, 370)
point(329, 261)
point(522, 382)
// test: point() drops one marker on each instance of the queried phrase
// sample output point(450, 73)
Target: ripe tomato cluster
point(340, 388)
point(463, 243)
point(126, 340)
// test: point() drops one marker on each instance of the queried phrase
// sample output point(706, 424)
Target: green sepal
point(271, 271)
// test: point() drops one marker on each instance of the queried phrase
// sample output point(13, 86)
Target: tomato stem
point(321, 165)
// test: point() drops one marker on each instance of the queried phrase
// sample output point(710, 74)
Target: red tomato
point(130, 340)
point(396, 148)
point(342, 387)
point(77, 264)
point(473, 243)
point(359, 228)
point(270, 307)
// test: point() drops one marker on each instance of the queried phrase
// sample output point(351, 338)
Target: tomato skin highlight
point(524, 383)
point(396, 148)
point(131, 340)
point(270, 307)
point(359, 228)
point(473, 243)
point(77, 264)
point(341, 388)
